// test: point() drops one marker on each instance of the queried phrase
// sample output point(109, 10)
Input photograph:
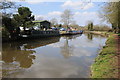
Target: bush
point(102, 28)
point(5, 33)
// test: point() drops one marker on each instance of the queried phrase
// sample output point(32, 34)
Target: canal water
point(56, 57)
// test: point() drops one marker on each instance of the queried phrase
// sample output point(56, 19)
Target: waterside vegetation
point(106, 63)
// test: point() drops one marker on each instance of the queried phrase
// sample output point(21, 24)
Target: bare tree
point(67, 17)
point(40, 18)
point(54, 21)
point(111, 13)
point(73, 23)
point(8, 7)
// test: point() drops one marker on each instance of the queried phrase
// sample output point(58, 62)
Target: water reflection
point(90, 36)
point(20, 54)
point(13, 55)
point(41, 42)
point(67, 49)
point(71, 37)
point(57, 57)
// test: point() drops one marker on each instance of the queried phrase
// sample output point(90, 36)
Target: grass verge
point(106, 64)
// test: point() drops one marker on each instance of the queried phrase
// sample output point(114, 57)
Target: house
point(43, 25)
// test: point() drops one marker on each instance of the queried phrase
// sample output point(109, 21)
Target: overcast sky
point(83, 11)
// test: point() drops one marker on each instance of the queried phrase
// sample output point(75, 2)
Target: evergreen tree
point(24, 17)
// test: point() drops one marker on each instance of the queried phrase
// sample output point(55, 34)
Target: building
point(43, 25)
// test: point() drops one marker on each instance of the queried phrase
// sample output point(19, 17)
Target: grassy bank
point(106, 64)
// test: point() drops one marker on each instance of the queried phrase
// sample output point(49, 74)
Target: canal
point(56, 57)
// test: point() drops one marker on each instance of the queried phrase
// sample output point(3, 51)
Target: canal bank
point(102, 33)
point(106, 64)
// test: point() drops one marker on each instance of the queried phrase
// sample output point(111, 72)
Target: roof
point(39, 21)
